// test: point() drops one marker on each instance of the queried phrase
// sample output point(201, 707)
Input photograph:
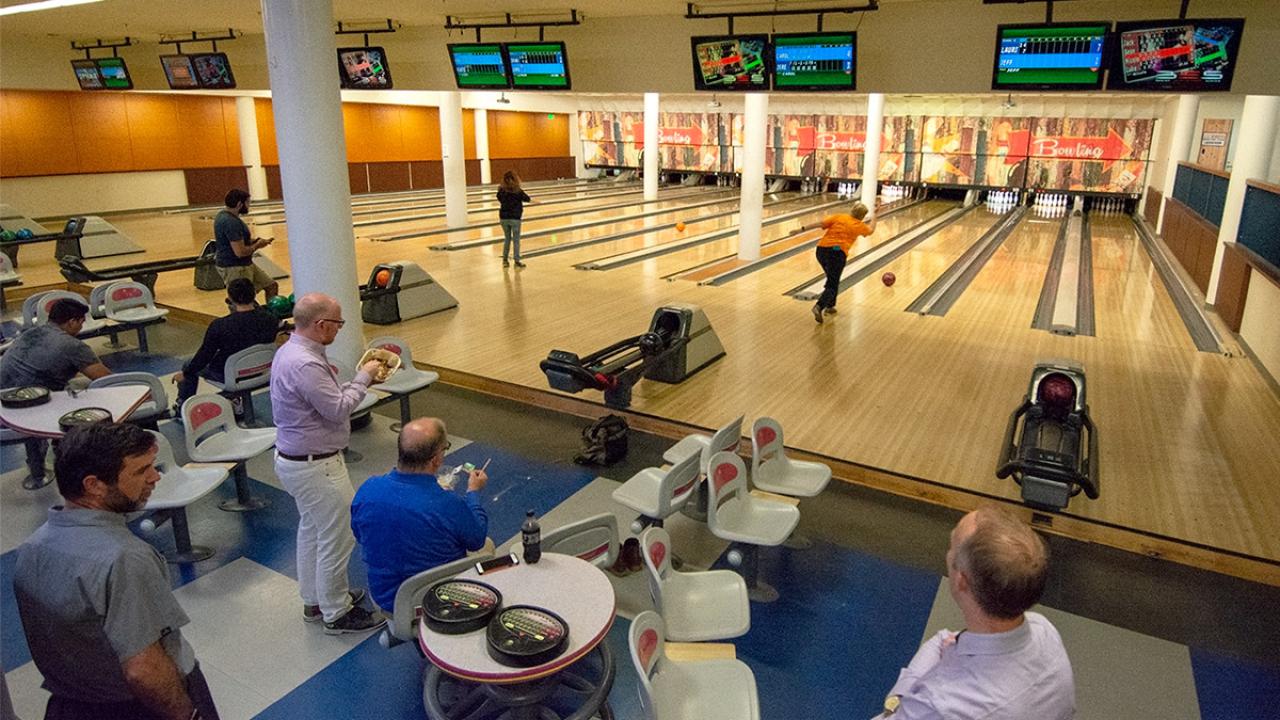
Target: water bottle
point(531, 536)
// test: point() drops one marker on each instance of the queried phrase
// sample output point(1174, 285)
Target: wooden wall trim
point(1233, 286)
point(1209, 170)
point(1192, 239)
point(207, 186)
point(1269, 187)
point(1257, 262)
point(1151, 212)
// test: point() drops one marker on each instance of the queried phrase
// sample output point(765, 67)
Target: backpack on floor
point(604, 442)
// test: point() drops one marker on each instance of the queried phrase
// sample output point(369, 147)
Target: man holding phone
point(406, 522)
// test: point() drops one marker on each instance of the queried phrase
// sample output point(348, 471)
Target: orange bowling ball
point(888, 279)
point(382, 278)
point(680, 227)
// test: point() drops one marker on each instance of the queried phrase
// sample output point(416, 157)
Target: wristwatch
point(891, 704)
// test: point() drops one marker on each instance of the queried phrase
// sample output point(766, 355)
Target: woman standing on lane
point(512, 197)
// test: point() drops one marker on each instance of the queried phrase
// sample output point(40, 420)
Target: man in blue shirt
point(406, 522)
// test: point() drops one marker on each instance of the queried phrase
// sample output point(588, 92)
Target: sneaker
point(632, 554)
point(817, 314)
point(175, 414)
point(312, 614)
point(505, 263)
point(237, 406)
point(829, 311)
point(357, 620)
point(519, 264)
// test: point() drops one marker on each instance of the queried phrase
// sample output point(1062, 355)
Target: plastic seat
point(738, 516)
point(345, 373)
point(213, 436)
point(244, 372)
point(409, 598)
point(696, 606)
point(771, 469)
point(594, 539)
point(98, 300)
point(153, 409)
point(180, 486)
point(47, 299)
point(8, 277)
point(711, 689)
point(131, 302)
point(407, 380)
point(657, 493)
point(725, 439)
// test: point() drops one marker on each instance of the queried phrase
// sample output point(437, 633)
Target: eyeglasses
point(340, 323)
point(446, 447)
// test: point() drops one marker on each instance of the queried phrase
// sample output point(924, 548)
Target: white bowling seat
point(154, 408)
point(656, 494)
point(707, 689)
point(738, 516)
point(179, 486)
point(696, 606)
point(246, 371)
point(771, 469)
point(47, 299)
point(131, 302)
point(724, 440)
point(8, 274)
point(98, 300)
point(594, 539)
point(345, 373)
point(400, 626)
point(408, 379)
point(213, 436)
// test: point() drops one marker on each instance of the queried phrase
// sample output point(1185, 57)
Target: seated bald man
point(406, 522)
point(1008, 663)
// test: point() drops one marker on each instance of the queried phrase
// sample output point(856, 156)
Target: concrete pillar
point(455, 164)
point(751, 204)
point(871, 150)
point(1255, 143)
point(481, 117)
point(575, 146)
point(651, 146)
point(250, 152)
point(307, 107)
point(1181, 139)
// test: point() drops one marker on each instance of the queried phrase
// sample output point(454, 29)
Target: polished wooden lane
point(1007, 288)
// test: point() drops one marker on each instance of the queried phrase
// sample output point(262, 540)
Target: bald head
point(1004, 561)
point(312, 307)
point(422, 444)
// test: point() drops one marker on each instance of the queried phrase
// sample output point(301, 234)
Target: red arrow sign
point(1065, 147)
point(669, 135)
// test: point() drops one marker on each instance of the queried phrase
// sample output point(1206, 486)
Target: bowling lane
point(1008, 287)
point(424, 195)
point(919, 267)
point(1130, 300)
point(784, 275)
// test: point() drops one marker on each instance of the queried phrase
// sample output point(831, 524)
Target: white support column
point(455, 164)
point(481, 117)
point(313, 165)
point(651, 151)
point(1255, 142)
point(751, 202)
point(1181, 139)
point(250, 152)
point(871, 150)
point(575, 146)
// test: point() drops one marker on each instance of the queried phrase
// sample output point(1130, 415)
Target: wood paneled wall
point(1151, 211)
point(528, 135)
point(1192, 239)
point(62, 133)
point(1233, 286)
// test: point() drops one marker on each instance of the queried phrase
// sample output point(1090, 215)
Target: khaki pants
point(257, 275)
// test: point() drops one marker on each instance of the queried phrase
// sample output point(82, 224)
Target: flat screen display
point(814, 61)
point(479, 66)
point(179, 71)
point(1176, 55)
point(1061, 56)
point(731, 63)
point(87, 74)
point(538, 66)
point(115, 74)
point(364, 68)
point(213, 70)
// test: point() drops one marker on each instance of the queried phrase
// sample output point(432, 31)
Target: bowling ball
point(888, 279)
point(7, 235)
point(651, 343)
point(24, 234)
point(382, 278)
point(1057, 391)
point(280, 306)
point(680, 227)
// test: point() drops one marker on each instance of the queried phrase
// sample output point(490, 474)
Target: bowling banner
point(693, 141)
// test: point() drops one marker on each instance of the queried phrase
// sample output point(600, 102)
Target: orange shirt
point(842, 230)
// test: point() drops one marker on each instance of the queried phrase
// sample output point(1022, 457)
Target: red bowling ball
point(888, 279)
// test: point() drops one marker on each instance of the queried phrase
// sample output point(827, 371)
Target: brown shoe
point(632, 555)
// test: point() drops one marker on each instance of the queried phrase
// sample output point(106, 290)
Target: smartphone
point(466, 469)
point(497, 563)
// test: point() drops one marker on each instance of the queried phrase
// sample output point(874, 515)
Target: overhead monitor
point(538, 66)
point(814, 61)
point(364, 68)
point(1176, 55)
point(213, 70)
point(115, 74)
point(1059, 56)
point(738, 62)
point(179, 72)
point(479, 66)
point(87, 74)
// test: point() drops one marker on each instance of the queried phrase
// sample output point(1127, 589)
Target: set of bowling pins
point(1051, 204)
point(726, 181)
point(811, 185)
point(847, 189)
point(893, 193)
point(1108, 206)
point(1002, 201)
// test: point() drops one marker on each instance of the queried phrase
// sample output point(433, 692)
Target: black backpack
point(604, 442)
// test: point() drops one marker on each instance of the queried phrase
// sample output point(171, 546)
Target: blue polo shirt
point(407, 523)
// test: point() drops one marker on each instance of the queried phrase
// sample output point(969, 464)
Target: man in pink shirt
point(312, 413)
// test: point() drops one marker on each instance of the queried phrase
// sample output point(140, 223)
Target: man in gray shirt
point(48, 356)
point(1008, 663)
point(95, 600)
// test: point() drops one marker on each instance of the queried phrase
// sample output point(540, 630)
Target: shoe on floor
point(312, 614)
point(357, 620)
point(829, 311)
point(519, 264)
point(505, 263)
point(632, 554)
point(817, 314)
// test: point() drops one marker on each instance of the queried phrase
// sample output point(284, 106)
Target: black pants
point(66, 709)
point(190, 381)
point(832, 260)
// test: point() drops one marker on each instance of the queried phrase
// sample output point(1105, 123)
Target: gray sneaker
point(312, 614)
point(357, 620)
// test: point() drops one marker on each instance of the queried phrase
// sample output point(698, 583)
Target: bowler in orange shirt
point(833, 250)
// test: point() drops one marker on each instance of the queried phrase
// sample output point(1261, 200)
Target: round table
point(42, 420)
point(574, 589)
